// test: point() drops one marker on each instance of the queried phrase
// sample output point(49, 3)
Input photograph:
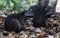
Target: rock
point(23, 36)
point(32, 28)
point(51, 32)
point(50, 36)
point(32, 36)
point(38, 34)
point(38, 30)
point(27, 32)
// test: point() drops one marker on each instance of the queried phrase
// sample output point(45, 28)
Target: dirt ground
point(32, 32)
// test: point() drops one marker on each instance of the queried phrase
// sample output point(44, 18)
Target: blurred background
point(16, 5)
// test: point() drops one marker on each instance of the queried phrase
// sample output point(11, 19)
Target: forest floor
point(32, 32)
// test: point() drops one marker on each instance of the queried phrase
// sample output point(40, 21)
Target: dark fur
point(14, 22)
point(39, 12)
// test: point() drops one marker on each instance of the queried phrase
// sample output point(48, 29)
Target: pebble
point(38, 30)
point(32, 36)
point(50, 36)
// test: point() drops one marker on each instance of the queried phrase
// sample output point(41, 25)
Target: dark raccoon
point(14, 22)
